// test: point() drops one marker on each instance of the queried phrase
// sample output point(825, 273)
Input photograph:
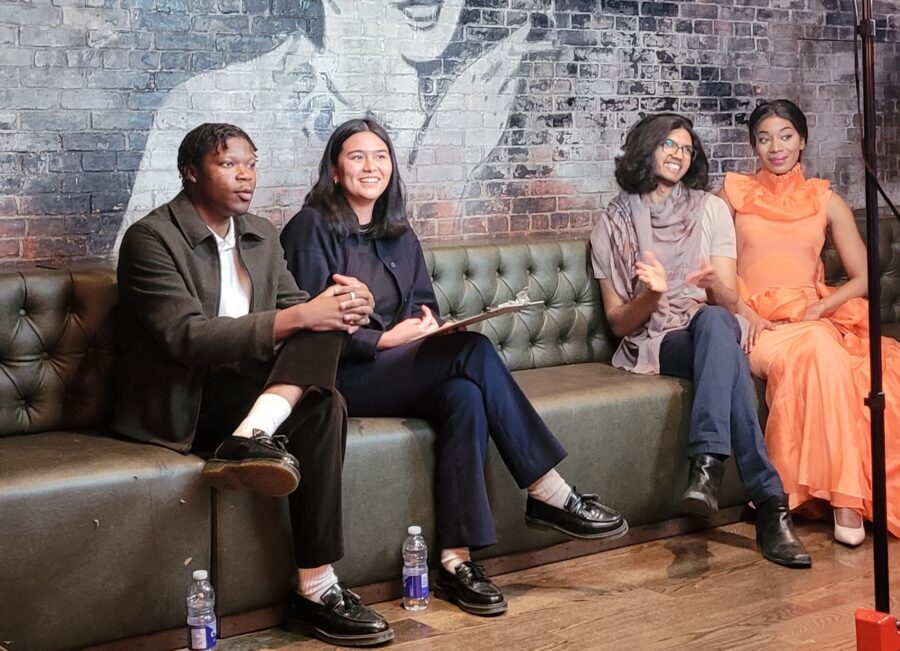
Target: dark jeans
point(316, 430)
point(724, 416)
point(459, 384)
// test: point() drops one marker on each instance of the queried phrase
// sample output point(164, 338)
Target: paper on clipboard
point(519, 304)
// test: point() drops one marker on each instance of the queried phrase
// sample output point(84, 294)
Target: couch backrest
point(570, 327)
point(889, 262)
point(56, 349)
point(57, 327)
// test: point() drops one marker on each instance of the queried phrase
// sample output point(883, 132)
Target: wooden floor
point(706, 590)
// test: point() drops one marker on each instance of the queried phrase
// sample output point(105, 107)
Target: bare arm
point(853, 256)
point(624, 318)
point(719, 278)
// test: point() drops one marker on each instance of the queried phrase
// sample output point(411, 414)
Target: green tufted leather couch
point(99, 535)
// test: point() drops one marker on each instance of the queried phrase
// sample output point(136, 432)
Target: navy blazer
point(314, 251)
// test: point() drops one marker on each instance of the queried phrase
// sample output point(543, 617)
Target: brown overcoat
point(169, 332)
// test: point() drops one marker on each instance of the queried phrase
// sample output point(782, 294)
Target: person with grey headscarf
point(664, 254)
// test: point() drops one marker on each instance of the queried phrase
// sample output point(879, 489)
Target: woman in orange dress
point(807, 340)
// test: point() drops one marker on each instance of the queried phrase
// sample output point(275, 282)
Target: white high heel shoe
point(850, 536)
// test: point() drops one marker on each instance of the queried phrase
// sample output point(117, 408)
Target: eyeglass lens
point(670, 147)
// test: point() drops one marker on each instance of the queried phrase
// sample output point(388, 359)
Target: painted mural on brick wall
point(507, 114)
point(367, 62)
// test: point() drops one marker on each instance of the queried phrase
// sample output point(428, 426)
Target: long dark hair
point(782, 108)
point(636, 167)
point(389, 214)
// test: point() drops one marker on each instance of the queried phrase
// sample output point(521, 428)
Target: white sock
point(267, 414)
point(313, 582)
point(551, 489)
point(452, 557)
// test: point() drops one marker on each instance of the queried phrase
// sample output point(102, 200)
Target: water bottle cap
point(200, 575)
point(414, 530)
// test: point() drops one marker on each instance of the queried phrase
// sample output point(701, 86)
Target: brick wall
point(507, 113)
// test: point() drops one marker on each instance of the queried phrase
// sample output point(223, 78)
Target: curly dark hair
point(210, 136)
point(782, 108)
point(389, 214)
point(636, 167)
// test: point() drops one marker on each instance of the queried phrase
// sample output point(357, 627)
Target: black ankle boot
point(701, 499)
point(775, 535)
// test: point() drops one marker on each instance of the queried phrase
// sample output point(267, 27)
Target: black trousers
point(460, 385)
point(316, 432)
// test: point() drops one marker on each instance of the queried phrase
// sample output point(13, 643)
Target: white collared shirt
point(234, 295)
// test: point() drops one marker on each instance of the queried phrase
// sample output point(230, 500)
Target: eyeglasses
point(670, 147)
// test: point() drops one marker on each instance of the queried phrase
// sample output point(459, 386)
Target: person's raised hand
point(652, 273)
point(704, 277)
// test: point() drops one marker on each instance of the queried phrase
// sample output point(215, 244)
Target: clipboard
point(510, 307)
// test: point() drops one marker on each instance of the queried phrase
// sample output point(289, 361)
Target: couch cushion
point(56, 349)
point(626, 437)
point(99, 538)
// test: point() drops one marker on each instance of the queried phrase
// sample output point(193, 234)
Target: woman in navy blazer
point(354, 222)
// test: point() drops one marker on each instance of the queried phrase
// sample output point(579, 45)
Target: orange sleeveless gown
point(817, 372)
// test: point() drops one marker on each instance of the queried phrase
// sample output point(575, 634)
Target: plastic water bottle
point(201, 619)
point(415, 570)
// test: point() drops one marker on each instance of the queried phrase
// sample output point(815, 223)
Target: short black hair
point(782, 108)
point(389, 215)
point(209, 136)
point(636, 167)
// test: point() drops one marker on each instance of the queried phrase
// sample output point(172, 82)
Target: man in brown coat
point(220, 350)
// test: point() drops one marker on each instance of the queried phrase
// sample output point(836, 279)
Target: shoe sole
point(536, 523)
point(369, 639)
point(696, 507)
point(794, 565)
point(473, 609)
point(271, 478)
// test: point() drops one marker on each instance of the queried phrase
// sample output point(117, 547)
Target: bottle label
point(415, 586)
point(203, 637)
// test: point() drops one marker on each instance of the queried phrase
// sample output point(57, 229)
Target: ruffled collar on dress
point(784, 197)
point(781, 184)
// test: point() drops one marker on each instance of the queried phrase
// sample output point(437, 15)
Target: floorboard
point(705, 590)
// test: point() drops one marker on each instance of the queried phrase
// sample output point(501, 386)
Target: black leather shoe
point(775, 535)
point(260, 464)
point(471, 590)
point(701, 499)
point(343, 619)
point(583, 516)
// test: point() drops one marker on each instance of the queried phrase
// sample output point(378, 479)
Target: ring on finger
point(352, 295)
